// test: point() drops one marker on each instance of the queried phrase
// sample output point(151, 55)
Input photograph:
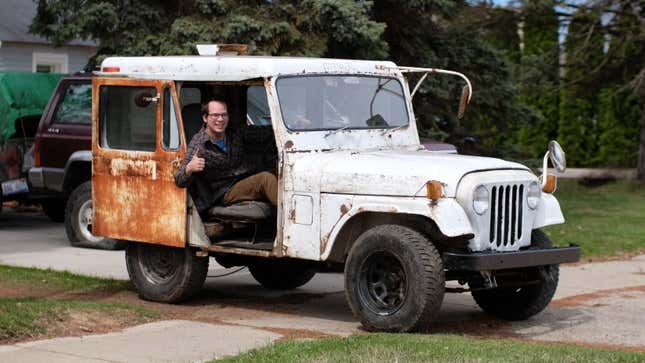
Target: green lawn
point(429, 348)
point(605, 221)
point(54, 280)
point(22, 318)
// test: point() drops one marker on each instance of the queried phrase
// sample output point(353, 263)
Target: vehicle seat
point(248, 211)
point(191, 116)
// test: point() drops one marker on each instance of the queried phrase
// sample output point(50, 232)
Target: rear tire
point(281, 275)
point(165, 274)
point(394, 279)
point(78, 221)
point(524, 302)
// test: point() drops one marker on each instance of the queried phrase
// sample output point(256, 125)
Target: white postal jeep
point(357, 192)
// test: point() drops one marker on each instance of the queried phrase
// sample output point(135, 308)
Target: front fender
point(448, 215)
point(548, 212)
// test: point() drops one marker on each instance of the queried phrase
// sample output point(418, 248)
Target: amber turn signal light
point(434, 190)
point(111, 69)
point(550, 185)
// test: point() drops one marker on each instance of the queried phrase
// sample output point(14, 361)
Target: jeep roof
point(234, 68)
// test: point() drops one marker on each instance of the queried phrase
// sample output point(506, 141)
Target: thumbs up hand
point(196, 163)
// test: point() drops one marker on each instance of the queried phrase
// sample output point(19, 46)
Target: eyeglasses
point(217, 115)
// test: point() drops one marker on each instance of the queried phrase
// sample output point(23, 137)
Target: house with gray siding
point(25, 52)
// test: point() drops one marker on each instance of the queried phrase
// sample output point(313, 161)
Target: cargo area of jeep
point(357, 194)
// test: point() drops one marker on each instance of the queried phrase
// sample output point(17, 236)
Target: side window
point(128, 117)
point(76, 107)
point(257, 107)
point(170, 140)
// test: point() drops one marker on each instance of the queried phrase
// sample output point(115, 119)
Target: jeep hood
point(388, 172)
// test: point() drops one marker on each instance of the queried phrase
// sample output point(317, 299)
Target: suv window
point(76, 107)
point(127, 116)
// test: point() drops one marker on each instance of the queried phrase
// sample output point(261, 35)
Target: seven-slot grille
point(506, 209)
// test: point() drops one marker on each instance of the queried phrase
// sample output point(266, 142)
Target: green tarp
point(23, 94)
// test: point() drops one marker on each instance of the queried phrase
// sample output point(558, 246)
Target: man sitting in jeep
point(215, 168)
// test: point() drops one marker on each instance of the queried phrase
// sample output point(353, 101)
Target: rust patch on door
point(127, 167)
point(288, 144)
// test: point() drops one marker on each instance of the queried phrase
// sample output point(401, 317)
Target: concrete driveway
point(597, 304)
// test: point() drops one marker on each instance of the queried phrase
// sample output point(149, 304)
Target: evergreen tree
point(578, 124)
point(155, 27)
point(538, 74)
point(619, 116)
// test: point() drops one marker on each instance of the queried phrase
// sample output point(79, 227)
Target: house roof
point(15, 18)
point(235, 68)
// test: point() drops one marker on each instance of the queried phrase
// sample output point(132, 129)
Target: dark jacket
point(222, 170)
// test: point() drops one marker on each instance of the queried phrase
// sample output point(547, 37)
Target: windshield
point(341, 101)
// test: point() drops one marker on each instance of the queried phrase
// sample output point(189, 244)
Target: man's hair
point(205, 105)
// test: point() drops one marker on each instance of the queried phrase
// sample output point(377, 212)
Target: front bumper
point(488, 261)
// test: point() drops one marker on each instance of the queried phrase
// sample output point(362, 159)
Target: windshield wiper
point(335, 131)
point(387, 131)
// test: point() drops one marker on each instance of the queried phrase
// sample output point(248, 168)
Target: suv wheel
point(165, 274)
point(78, 221)
point(281, 275)
point(513, 303)
point(394, 279)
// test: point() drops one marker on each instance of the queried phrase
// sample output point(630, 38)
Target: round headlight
point(480, 200)
point(533, 195)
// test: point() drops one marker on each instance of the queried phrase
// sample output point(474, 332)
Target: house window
point(50, 63)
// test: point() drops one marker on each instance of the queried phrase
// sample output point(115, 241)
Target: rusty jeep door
point(136, 146)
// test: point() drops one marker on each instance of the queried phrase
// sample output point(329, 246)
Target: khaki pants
point(262, 185)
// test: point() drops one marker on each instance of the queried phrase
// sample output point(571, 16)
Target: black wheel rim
point(383, 283)
point(160, 264)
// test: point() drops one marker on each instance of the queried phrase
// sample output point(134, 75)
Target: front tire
point(281, 274)
point(78, 221)
point(514, 303)
point(165, 274)
point(394, 279)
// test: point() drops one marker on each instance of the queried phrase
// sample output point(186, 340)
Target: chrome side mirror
point(463, 102)
point(556, 154)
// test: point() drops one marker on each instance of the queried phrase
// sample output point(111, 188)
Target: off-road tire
point(165, 274)
point(74, 228)
point(408, 266)
point(522, 303)
point(282, 274)
point(54, 209)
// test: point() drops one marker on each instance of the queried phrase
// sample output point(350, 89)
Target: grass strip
point(428, 348)
point(22, 318)
point(605, 220)
point(50, 279)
